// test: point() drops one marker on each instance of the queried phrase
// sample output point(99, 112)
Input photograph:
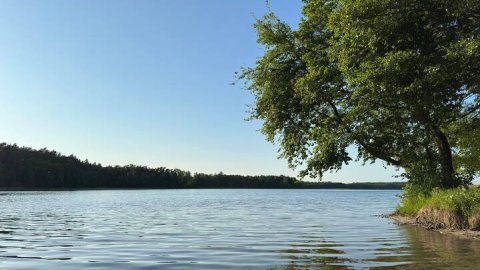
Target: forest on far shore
point(30, 169)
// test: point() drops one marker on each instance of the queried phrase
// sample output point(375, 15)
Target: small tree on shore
point(400, 80)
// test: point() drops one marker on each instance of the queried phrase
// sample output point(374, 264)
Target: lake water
point(218, 229)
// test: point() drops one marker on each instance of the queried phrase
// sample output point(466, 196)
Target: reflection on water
point(430, 248)
point(218, 229)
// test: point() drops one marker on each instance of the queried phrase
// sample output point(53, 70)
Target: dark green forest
point(27, 168)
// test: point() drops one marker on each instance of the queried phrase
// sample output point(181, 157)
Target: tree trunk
point(448, 179)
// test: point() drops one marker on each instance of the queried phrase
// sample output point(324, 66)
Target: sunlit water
point(218, 229)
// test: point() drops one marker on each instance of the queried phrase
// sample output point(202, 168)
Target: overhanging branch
point(370, 149)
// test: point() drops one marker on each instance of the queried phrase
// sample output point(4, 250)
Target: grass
point(462, 201)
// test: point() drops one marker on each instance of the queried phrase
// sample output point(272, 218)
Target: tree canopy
point(399, 80)
point(26, 168)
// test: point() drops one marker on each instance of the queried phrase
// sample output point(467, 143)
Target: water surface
point(218, 229)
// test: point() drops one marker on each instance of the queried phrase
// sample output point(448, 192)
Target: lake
point(218, 229)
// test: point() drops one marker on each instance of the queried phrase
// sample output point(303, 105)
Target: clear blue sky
point(142, 82)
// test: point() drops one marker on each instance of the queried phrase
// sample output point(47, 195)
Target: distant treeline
point(26, 168)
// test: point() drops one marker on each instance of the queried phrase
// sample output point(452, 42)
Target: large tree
point(400, 80)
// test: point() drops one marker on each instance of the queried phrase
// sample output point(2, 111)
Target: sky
point(145, 82)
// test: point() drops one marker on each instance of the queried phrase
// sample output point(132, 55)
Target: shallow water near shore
point(219, 229)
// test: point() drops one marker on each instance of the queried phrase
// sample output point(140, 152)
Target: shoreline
point(412, 221)
point(189, 188)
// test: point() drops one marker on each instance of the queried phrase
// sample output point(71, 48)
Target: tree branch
point(372, 150)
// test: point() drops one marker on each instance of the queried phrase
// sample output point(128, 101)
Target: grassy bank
point(444, 209)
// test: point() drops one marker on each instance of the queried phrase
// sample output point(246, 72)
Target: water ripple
point(218, 229)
